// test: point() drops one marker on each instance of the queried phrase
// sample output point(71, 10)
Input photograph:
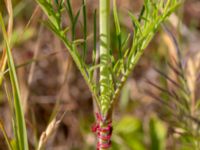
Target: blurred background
point(49, 81)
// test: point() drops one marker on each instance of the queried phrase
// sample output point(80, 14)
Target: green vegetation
point(105, 51)
point(113, 71)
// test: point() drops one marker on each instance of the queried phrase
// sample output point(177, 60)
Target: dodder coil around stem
point(103, 130)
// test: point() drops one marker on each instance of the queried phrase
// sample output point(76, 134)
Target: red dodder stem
point(104, 135)
point(103, 130)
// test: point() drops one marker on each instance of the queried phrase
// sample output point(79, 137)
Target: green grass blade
point(84, 29)
point(117, 26)
point(20, 120)
point(73, 19)
point(125, 42)
point(69, 10)
point(136, 23)
point(74, 23)
point(95, 37)
point(141, 13)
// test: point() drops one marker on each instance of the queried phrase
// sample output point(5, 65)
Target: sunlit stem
point(104, 50)
point(104, 24)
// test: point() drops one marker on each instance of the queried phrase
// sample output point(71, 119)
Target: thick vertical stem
point(105, 75)
point(104, 26)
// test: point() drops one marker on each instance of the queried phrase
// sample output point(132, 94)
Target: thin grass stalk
point(3, 60)
point(19, 123)
point(84, 30)
point(2, 129)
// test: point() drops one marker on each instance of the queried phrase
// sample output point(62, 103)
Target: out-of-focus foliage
point(129, 134)
point(158, 134)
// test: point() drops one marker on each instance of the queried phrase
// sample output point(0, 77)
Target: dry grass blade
point(192, 72)
point(5, 136)
point(51, 128)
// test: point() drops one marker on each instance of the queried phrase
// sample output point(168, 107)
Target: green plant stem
point(105, 75)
